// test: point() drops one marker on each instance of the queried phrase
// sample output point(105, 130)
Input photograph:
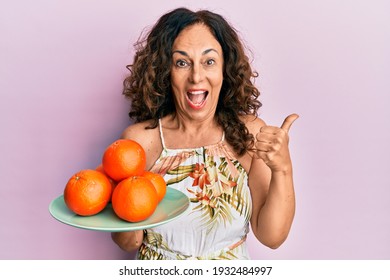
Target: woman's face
point(196, 72)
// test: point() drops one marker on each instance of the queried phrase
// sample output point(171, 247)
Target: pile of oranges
point(121, 179)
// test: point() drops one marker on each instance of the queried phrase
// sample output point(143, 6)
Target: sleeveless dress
point(217, 222)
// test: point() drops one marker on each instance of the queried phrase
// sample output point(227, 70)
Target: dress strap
point(161, 134)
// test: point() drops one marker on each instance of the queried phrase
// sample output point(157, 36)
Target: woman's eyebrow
point(203, 53)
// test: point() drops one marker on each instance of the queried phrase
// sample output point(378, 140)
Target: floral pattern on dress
point(156, 243)
point(216, 184)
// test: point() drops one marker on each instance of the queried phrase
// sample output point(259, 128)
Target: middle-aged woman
point(195, 111)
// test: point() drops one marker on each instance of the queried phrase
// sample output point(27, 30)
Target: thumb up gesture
point(271, 145)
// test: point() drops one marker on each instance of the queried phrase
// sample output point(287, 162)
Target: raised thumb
point(289, 121)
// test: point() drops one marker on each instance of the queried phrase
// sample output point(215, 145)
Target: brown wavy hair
point(148, 86)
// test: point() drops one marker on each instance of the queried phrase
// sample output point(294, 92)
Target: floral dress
point(217, 222)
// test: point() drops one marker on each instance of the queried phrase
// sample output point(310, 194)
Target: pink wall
point(61, 70)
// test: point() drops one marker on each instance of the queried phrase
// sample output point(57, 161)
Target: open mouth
point(197, 98)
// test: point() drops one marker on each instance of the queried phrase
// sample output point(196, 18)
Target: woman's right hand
point(128, 241)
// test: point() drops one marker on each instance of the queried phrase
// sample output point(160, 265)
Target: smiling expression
point(196, 72)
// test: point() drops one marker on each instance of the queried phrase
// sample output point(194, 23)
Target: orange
point(124, 158)
point(134, 199)
point(87, 192)
point(113, 183)
point(158, 182)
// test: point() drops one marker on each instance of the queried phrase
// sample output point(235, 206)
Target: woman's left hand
point(272, 145)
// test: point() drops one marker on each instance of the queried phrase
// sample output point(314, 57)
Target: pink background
point(61, 69)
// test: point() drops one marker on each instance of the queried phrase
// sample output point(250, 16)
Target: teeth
point(197, 92)
point(197, 97)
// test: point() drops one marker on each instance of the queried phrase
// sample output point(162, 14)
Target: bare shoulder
point(253, 123)
point(148, 138)
point(137, 131)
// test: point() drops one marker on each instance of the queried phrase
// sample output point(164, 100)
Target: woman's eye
point(181, 63)
point(210, 62)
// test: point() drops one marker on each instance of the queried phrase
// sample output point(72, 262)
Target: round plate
point(171, 207)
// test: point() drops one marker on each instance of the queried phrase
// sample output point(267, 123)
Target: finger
point(263, 147)
point(264, 156)
point(265, 137)
point(288, 122)
point(269, 129)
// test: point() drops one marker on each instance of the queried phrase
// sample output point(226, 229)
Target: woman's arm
point(271, 184)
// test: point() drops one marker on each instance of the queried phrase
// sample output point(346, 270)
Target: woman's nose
point(197, 73)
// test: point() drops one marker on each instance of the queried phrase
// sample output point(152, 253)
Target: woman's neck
point(180, 132)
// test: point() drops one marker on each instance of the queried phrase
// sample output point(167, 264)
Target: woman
point(195, 109)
